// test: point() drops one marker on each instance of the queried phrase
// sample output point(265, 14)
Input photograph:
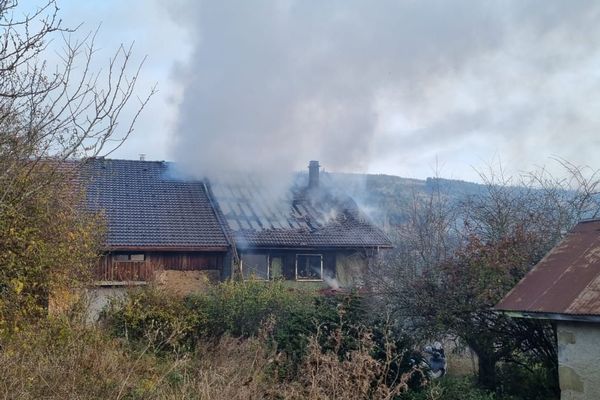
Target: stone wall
point(579, 360)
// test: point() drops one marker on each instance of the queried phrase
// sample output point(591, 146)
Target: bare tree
point(455, 260)
point(50, 119)
point(63, 112)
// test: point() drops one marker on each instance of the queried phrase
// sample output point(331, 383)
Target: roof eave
point(198, 249)
point(551, 316)
point(315, 247)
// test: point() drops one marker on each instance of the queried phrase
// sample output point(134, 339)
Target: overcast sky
point(393, 87)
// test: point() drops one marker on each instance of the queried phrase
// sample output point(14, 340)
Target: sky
point(406, 87)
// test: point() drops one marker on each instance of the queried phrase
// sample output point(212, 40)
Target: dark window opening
point(309, 267)
point(129, 257)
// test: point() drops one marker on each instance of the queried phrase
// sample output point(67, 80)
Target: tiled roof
point(303, 218)
point(566, 281)
point(144, 207)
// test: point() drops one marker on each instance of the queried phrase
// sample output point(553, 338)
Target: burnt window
point(129, 257)
point(255, 266)
point(309, 267)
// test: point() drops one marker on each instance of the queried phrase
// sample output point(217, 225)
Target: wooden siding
point(109, 269)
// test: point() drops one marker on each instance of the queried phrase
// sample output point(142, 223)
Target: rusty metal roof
point(566, 280)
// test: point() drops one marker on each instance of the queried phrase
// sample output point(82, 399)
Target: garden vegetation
point(247, 340)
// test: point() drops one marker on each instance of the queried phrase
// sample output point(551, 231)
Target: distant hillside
point(386, 198)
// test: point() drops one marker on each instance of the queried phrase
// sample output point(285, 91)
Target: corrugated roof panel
point(566, 280)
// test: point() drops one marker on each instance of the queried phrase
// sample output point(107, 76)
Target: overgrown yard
point(246, 340)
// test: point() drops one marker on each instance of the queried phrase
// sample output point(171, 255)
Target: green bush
point(450, 388)
point(241, 308)
point(532, 383)
point(286, 317)
point(154, 319)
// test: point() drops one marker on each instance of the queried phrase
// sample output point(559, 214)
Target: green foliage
point(450, 388)
point(285, 317)
point(527, 382)
point(155, 319)
point(241, 308)
point(46, 244)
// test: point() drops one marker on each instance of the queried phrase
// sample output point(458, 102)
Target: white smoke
point(273, 84)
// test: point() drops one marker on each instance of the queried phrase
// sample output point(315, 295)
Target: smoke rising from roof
point(357, 84)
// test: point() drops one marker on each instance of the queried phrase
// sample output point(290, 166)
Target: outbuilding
point(564, 287)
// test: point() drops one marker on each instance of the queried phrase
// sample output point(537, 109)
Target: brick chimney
point(313, 174)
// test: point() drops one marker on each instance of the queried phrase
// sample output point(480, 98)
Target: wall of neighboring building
point(579, 360)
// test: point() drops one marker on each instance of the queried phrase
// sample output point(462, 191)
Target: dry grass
point(356, 376)
point(58, 360)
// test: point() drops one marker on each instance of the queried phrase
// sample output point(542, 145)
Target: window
point(255, 266)
point(309, 267)
point(129, 257)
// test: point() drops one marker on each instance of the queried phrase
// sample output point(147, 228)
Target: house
point(564, 287)
point(183, 232)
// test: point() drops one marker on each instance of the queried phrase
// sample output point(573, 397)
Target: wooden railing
point(124, 271)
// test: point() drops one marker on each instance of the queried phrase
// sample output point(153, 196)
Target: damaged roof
point(566, 281)
point(302, 218)
point(146, 208)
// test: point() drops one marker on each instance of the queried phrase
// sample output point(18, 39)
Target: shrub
point(288, 318)
point(450, 388)
point(356, 375)
point(240, 308)
point(534, 382)
point(155, 319)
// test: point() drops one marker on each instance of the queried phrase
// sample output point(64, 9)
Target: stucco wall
point(579, 360)
point(99, 297)
point(177, 282)
point(186, 282)
point(350, 269)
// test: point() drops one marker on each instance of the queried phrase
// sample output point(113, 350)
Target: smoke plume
point(361, 85)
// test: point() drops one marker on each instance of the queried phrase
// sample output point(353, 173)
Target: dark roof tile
point(144, 207)
point(302, 218)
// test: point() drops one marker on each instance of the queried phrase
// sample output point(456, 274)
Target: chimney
point(313, 174)
point(142, 157)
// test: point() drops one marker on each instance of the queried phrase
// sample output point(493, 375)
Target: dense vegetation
point(459, 248)
point(247, 340)
point(49, 117)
